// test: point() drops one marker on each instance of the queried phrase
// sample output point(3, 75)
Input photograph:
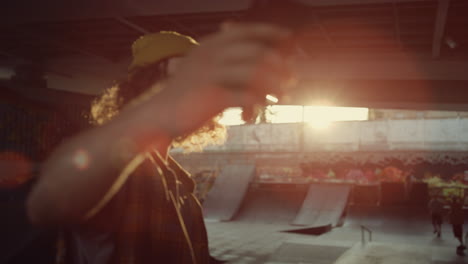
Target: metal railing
point(363, 229)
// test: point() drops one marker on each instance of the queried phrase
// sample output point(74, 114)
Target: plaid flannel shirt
point(153, 218)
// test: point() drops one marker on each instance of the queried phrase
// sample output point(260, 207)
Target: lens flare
point(16, 169)
point(81, 159)
point(320, 117)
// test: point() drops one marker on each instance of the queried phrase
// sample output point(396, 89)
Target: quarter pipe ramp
point(272, 204)
point(225, 197)
point(324, 205)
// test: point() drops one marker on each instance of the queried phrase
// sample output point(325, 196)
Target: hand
point(236, 66)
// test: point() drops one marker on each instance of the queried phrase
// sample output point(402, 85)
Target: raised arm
point(78, 174)
point(233, 67)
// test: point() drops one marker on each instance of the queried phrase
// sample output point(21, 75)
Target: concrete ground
point(241, 242)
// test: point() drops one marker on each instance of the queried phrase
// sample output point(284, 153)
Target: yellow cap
point(154, 47)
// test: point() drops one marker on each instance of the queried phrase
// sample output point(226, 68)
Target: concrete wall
point(381, 135)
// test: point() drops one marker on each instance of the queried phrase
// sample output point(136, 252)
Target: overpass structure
point(417, 135)
point(371, 53)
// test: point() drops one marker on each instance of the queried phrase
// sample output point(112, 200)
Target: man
point(123, 198)
point(457, 219)
point(436, 207)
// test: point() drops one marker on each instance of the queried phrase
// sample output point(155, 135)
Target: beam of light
point(232, 117)
point(321, 117)
point(81, 159)
point(285, 114)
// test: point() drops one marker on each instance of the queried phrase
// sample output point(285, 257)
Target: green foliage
point(446, 189)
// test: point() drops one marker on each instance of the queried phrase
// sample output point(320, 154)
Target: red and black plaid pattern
point(155, 218)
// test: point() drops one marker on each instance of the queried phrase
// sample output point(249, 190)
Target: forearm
point(222, 72)
point(78, 174)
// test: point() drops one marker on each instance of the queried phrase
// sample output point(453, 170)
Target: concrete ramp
point(272, 203)
point(324, 205)
point(225, 197)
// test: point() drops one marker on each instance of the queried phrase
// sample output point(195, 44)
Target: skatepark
point(274, 192)
point(317, 223)
point(259, 212)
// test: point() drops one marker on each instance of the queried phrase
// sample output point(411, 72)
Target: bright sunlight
point(319, 117)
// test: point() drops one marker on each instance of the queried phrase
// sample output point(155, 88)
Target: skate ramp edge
point(228, 191)
point(275, 204)
point(315, 230)
point(324, 205)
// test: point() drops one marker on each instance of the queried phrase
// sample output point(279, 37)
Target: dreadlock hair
point(141, 79)
point(142, 83)
point(138, 82)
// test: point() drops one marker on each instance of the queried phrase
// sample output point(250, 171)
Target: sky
point(316, 116)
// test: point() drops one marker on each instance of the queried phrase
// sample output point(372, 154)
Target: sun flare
point(319, 117)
